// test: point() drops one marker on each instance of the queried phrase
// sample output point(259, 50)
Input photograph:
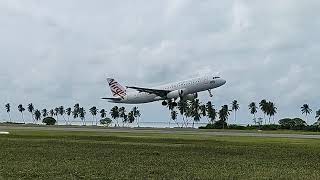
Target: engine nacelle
point(176, 94)
point(182, 94)
point(191, 97)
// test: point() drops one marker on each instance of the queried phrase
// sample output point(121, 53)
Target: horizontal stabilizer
point(112, 99)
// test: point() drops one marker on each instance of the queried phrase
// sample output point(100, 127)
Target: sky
point(57, 52)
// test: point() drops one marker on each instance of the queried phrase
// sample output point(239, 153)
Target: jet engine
point(191, 97)
point(176, 94)
point(182, 94)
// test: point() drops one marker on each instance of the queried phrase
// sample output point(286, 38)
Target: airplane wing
point(158, 92)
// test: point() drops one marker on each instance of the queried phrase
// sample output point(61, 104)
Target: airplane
point(186, 90)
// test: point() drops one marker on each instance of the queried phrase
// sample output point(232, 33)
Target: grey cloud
point(54, 52)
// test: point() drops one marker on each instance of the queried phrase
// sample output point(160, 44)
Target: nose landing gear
point(210, 93)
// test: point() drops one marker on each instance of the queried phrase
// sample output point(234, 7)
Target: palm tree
point(235, 107)
point(51, 112)
point(174, 116)
point(305, 109)
point(183, 107)
point(62, 112)
point(170, 106)
point(131, 117)
point(56, 112)
point(94, 112)
point(253, 109)
point(31, 109)
point(136, 114)
point(76, 111)
point(44, 112)
point(263, 107)
point(122, 114)
point(8, 109)
point(318, 115)
point(114, 112)
point(212, 114)
point(195, 111)
point(103, 113)
point(271, 110)
point(21, 109)
point(224, 114)
point(82, 115)
point(37, 115)
point(68, 112)
point(203, 110)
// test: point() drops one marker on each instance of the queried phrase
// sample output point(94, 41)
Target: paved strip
point(162, 131)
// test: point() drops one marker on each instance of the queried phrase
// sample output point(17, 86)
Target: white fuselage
point(190, 86)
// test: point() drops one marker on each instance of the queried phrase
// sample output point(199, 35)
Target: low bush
point(49, 121)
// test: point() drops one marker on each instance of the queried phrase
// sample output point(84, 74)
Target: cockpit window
point(216, 77)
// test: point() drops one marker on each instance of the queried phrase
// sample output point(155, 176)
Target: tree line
point(191, 111)
point(77, 112)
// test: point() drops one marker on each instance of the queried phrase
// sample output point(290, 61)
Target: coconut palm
point(103, 113)
point(37, 115)
point(271, 110)
point(253, 109)
point(82, 115)
point(69, 112)
point(174, 116)
point(94, 112)
point(31, 109)
point(224, 114)
point(183, 107)
point(318, 115)
point(136, 114)
point(195, 111)
point(114, 112)
point(51, 112)
point(203, 110)
point(235, 107)
point(305, 109)
point(62, 112)
point(44, 112)
point(21, 109)
point(8, 109)
point(131, 117)
point(263, 107)
point(211, 112)
point(122, 114)
point(56, 112)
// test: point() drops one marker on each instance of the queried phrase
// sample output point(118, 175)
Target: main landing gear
point(164, 103)
point(173, 103)
point(210, 93)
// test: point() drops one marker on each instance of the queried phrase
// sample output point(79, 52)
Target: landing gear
point(174, 104)
point(164, 103)
point(210, 93)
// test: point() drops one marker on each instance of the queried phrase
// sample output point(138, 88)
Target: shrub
point(236, 127)
point(49, 121)
point(106, 121)
point(294, 124)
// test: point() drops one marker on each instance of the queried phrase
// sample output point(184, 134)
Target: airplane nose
point(223, 82)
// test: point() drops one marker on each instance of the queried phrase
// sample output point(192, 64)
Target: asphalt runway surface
point(161, 131)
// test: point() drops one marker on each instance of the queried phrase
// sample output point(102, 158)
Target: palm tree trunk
point(22, 118)
point(9, 117)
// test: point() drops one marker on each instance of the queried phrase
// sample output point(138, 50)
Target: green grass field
point(30, 154)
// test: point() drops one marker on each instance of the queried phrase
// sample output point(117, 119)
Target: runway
point(233, 133)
